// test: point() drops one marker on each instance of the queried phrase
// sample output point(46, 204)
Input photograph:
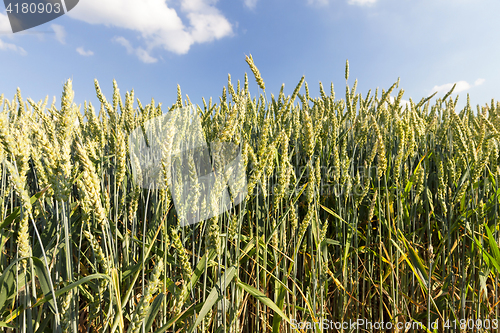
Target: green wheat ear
point(347, 70)
point(255, 72)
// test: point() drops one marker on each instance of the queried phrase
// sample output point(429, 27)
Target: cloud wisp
point(461, 86)
point(479, 82)
point(142, 54)
point(84, 53)
point(6, 29)
point(362, 2)
point(158, 25)
point(12, 47)
point(60, 33)
point(250, 3)
point(318, 2)
point(350, 2)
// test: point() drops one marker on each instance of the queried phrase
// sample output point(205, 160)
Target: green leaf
point(61, 291)
point(153, 311)
point(263, 298)
point(417, 262)
point(131, 270)
point(43, 278)
point(189, 311)
point(332, 242)
point(4, 324)
point(200, 269)
point(280, 302)
point(328, 210)
point(493, 244)
point(7, 287)
point(17, 211)
point(214, 296)
point(115, 281)
point(413, 261)
point(490, 260)
point(8, 282)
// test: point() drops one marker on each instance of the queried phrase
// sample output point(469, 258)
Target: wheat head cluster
point(359, 207)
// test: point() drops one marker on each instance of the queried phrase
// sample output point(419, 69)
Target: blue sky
point(153, 45)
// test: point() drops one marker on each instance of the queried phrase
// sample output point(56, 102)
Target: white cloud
point(84, 53)
point(123, 41)
point(7, 29)
point(317, 2)
point(12, 47)
point(60, 32)
point(361, 2)
point(197, 5)
point(207, 27)
point(250, 3)
point(158, 25)
point(461, 86)
point(4, 23)
point(479, 82)
point(142, 54)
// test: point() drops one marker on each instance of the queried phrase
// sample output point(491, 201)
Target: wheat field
point(356, 208)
